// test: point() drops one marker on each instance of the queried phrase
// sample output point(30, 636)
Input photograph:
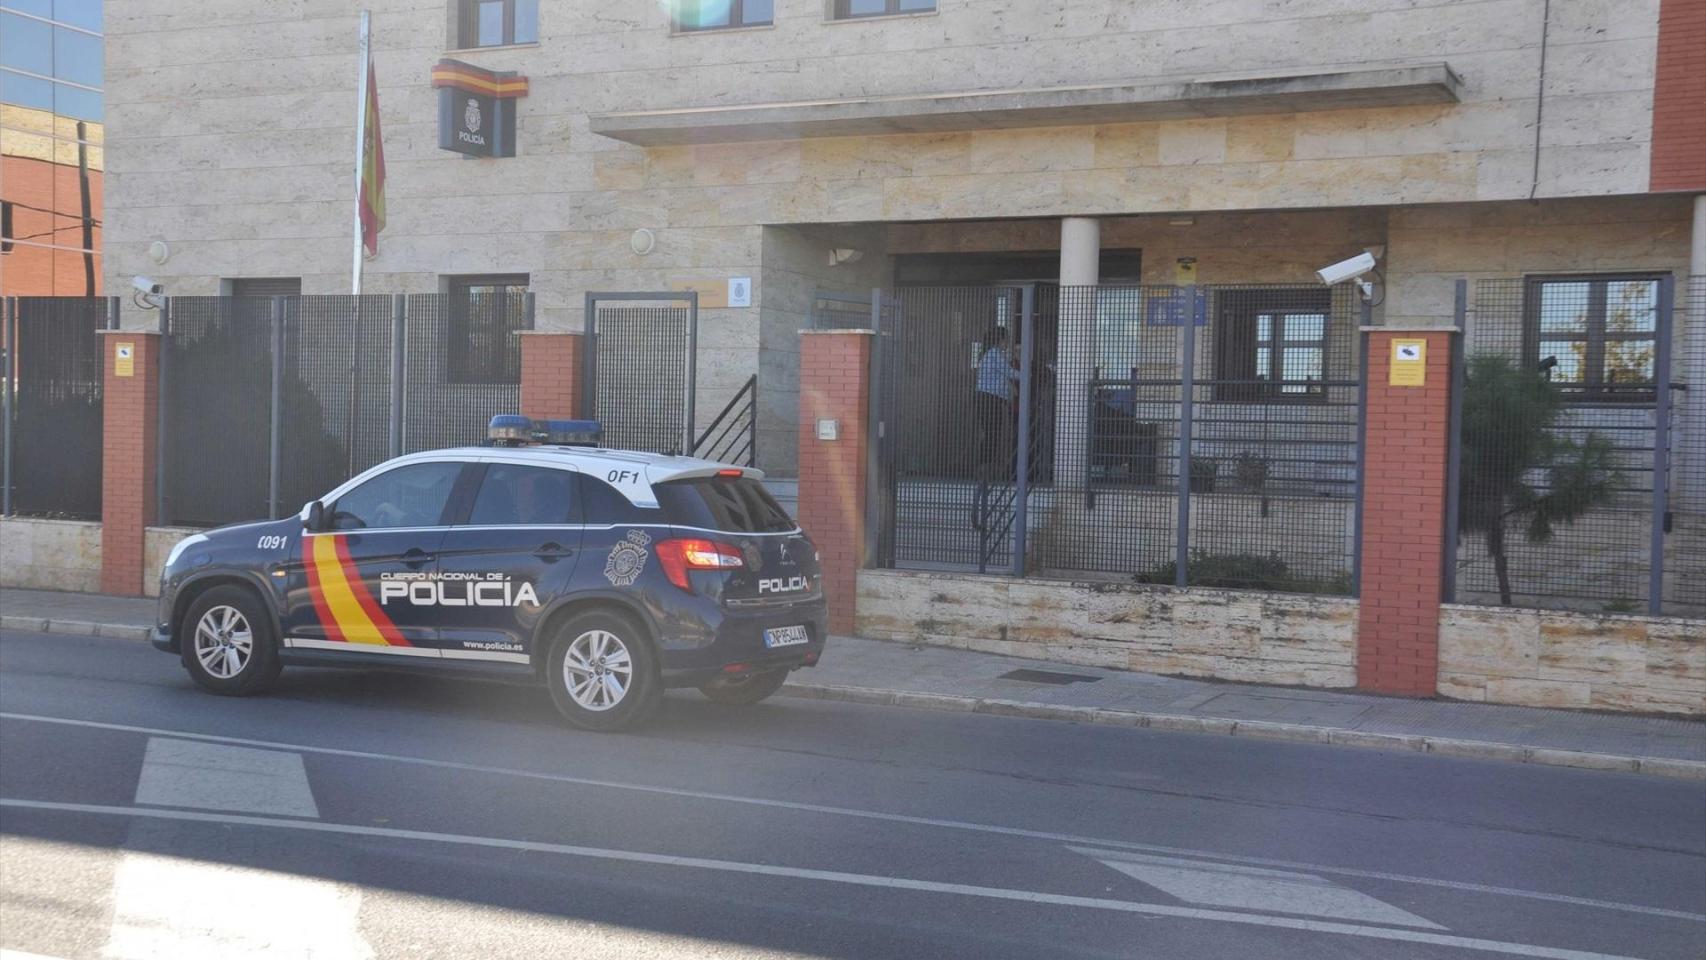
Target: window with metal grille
point(485, 314)
point(495, 23)
point(696, 15)
point(1271, 345)
point(265, 286)
point(1595, 336)
point(853, 9)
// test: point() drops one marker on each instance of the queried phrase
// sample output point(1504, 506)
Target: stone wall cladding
point(50, 554)
point(1227, 635)
point(1548, 658)
point(157, 543)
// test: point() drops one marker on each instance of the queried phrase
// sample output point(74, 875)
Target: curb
point(1255, 729)
point(1259, 729)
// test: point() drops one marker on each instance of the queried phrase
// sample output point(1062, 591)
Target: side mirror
point(314, 517)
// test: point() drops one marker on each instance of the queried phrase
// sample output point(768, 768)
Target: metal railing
point(732, 436)
point(51, 413)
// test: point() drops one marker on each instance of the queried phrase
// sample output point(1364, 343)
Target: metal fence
point(1579, 468)
point(51, 388)
point(269, 402)
point(1182, 435)
point(640, 369)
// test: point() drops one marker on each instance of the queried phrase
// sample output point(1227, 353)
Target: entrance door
point(354, 588)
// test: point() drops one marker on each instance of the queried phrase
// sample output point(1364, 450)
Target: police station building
point(1125, 203)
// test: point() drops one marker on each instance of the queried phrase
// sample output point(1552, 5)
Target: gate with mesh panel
point(640, 370)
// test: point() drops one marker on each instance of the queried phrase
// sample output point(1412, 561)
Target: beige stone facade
point(230, 138)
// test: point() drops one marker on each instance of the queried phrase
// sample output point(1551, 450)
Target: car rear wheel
point(750, 688)
point(603, 672)
point(227, 642)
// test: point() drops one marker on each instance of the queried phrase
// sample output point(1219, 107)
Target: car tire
point(742, 691)
point(603, 672)
point(227, 642)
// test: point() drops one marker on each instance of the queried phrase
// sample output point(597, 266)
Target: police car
point(608, 575)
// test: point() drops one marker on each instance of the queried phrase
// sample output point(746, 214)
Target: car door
point(367, 583)
point(515, 550)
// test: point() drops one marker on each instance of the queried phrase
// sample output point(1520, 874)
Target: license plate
point(785, 636)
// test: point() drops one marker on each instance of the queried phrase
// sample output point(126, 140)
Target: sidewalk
point(871, 671)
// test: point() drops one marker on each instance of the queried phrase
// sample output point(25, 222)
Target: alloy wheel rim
point(597, 670)
point(224, 641)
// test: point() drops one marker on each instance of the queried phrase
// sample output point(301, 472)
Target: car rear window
point(728, 504)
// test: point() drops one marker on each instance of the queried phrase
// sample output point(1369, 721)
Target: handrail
point(726, 446)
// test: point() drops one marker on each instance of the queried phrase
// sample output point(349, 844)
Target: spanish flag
point(372, 200)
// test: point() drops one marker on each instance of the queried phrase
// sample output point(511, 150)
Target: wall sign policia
point(476, 109)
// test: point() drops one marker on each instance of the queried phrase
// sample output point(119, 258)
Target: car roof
point(631, 472)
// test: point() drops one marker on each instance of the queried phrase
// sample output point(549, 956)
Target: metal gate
point(1179, 435)
point(51, 379)
point(640, 369)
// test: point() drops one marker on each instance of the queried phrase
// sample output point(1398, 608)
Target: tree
point(1516, 469)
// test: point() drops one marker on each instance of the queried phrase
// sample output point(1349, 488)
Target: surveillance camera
point(1346, 269)
point(145, 285)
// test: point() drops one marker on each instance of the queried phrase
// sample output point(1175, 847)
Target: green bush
point(1246, 571)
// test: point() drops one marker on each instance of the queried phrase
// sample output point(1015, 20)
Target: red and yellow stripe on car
point(343, 603)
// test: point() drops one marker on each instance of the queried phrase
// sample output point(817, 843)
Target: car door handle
point(552, 551)
point(415, 557)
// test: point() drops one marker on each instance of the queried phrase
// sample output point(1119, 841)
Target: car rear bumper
point(739, 646)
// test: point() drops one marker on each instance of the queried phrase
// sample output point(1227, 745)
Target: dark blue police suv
point(607, 574)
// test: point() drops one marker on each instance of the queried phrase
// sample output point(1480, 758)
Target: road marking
point(168, 907)
point(829, 876)
point(1066, 838)
point(213, 776)
point(1254, 888)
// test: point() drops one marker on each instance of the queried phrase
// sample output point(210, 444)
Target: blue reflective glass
point(26, 44)
point(76, 102)
point(76, 57)
point(491, 24)
point(78, 13)
point(912, 6)
point(25, 91)
point(37, 8)
point(526, 21)
point(757, 11)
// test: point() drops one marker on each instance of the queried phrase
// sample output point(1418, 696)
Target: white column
point(1080, 261)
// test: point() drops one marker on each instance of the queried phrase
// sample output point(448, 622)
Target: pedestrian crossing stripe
point(343, 604)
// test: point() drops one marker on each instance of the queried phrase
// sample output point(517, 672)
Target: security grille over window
point(1579, 468)
point(1179, 435)
point(53, 372)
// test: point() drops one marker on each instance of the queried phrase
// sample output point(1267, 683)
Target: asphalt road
point(366, 814)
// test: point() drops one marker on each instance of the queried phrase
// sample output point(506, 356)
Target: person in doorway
point(993, 405)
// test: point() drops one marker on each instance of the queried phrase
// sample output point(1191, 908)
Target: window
point(516, 495)
point(411, 496)
point(729, 504)
point(486, 312)
point(1594, 335)
point(1271, 344)
point(601, 504)
point(853, 9)
point(495, 23)
point(695, 15)
point(265, 287)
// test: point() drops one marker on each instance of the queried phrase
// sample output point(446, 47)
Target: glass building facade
point(51, 153)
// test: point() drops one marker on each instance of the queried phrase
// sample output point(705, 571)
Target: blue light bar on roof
point(515, 430)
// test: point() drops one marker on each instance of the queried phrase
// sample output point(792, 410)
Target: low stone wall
point(50, 554)
point(1550, 658)
point(157, 542)
point(1229, 635)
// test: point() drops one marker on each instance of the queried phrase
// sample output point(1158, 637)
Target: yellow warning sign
point(1409, 363)
point(124, 360)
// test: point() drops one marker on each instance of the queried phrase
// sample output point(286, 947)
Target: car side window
point(410, 496)
point(516, 495)
point(601, 505)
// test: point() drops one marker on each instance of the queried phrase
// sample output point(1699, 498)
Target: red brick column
point(551, 375)
point(131, 417)
point(835, 367)
point(1403, 516)
point(1679, 97)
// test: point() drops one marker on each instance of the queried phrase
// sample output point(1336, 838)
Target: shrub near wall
point(1546, 658)
point(1230, 635)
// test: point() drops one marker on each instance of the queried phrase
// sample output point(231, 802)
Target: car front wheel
point(227, 642)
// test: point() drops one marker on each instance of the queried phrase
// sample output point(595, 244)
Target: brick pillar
point(551, 375)
point(835, 368)
point(131, 419)
point(1403, 515)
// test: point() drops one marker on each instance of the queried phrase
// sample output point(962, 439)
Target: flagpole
point(363, 60)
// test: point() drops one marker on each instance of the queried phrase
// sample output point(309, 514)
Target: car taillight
point(680, 556)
